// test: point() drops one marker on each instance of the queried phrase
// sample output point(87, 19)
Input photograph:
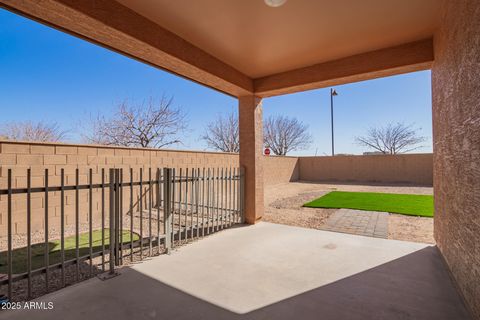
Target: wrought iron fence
point(129, 214)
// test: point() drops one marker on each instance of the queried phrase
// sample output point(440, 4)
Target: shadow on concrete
point(416, 286)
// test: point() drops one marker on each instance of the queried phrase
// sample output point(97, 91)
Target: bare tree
point(283, 134)
point(392, 138)
point(153, 124)
point(222, 134)
point(32, 131)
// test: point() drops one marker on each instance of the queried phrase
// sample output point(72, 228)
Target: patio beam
point(251, 155)
point(410, 57)
point(116, 27)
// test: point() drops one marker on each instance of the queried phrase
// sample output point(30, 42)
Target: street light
point(332, 94)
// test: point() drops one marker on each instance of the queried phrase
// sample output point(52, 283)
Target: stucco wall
point(456, 136)
point(406, 168)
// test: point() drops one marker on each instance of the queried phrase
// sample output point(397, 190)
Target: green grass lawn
point(19, 264)
point(409, 204)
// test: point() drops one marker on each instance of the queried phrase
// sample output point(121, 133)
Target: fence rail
point(132, 218)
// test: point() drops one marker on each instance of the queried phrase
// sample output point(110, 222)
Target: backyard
point(157, 160)
point(296, 204)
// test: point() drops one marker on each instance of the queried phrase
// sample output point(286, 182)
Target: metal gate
point(189, 204)
point(125, 216)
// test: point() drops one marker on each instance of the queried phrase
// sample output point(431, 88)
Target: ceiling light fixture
point(275, 3)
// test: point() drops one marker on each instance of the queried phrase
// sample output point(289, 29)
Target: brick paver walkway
point(364, 223)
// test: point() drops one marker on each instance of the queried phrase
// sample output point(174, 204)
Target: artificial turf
point(19, 255)
point(408, 204)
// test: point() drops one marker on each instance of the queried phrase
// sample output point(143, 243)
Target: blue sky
point(51, 76)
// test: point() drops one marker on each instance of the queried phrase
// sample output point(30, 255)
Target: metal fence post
point(242, 195)
point(9, 235)
point(111, 220)
point(117, 217)
point(167, 208)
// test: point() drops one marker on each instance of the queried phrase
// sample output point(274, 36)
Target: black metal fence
point(134, 218)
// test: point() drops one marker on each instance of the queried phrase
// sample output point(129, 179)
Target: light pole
point(332, 93)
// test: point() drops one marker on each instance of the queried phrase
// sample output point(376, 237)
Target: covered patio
point(270, 271)
point(251, 51)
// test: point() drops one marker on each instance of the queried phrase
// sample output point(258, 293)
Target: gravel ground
point(289, 210)
point(418, 229)
point(283, 204)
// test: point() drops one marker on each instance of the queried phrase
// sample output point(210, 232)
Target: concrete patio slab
point(269, 271)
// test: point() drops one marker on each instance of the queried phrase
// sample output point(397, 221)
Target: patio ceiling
point(260, 41)
point(244, 47)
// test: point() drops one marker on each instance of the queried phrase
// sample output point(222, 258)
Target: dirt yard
point(283, 204)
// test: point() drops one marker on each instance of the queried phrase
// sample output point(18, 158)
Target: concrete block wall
point(414, 169)
point(403, 168)
point(20, 156)
point(280, 170)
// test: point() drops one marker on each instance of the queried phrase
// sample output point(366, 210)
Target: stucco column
point(456, 145)
point(251, 155)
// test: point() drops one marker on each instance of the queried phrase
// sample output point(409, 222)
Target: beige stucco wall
point(456, 137)
point(405, 168)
